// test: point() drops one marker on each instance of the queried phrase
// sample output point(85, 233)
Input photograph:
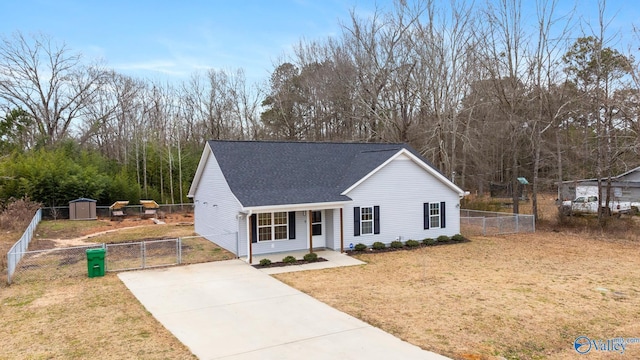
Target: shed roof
point(82, 200)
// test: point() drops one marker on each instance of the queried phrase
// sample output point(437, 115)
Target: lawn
point(514, 297)
point(517, 296)
point(56, 312)
point(81, 318)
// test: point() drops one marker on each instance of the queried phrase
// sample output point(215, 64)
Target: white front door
point(318, 229)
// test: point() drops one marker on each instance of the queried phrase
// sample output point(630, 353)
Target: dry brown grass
point(60, 315)
point(81, 319)
point(15, 216)
point(523, 296)
point(520, 296)
point(66, 229)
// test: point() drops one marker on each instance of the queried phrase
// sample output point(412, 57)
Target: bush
point(310, 257)
point(360, 247)
point(289, 259)
point(378, 245)
point(457, 237)
point(265, 262)
point(429, 241)
point(443, 238)
point(396, 244)
point(412, 243)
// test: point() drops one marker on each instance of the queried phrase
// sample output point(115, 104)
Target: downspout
point(310, 231)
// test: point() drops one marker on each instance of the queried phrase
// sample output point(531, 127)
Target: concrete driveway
point(229, 310)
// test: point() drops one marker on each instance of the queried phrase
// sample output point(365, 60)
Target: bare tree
point(48, 81)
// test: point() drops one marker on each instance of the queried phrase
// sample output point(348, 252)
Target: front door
point(318, 229)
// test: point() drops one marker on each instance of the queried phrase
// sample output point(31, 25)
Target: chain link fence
point(62, 212)
point(50, 264)
point(474, 222)
point(16, 253)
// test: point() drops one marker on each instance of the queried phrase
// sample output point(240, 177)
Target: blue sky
point(163, 39)
point(175, 38)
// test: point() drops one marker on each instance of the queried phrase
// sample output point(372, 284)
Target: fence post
point(517, 223)
point(484, 226)
point(179, 243)
point(143, 251)
point(9, 272)
point(533, 222)
point(106, 262)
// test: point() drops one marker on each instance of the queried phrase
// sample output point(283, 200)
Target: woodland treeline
point(487, 92)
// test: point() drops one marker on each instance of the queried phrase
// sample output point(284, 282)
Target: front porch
point(334, 259)
point(298, 230)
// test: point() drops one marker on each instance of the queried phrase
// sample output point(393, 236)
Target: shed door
point(318, 229)
point(83, 210)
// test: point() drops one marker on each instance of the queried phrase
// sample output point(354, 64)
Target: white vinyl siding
point(216, 209)
point(301, 241)
point(400, 189)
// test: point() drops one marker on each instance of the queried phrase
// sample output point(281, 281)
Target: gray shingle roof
point(263, 173)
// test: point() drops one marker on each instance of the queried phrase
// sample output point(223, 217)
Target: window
point(434, 215)
point(366, 220)
point(316, 223)
point(273, 226)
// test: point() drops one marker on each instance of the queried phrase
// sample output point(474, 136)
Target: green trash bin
point(95, 262)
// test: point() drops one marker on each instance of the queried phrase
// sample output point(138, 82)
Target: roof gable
point(270, 173)
point(418, 161)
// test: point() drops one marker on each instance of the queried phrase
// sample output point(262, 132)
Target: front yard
point(519, 296)
point(525, 296)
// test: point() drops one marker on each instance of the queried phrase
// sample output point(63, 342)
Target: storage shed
point(82, 209)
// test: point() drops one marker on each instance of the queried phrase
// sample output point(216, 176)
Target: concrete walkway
point(230, 310)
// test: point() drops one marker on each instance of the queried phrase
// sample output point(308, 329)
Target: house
point(624, 187)
point(260, 197)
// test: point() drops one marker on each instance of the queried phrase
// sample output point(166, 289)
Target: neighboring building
point(258, 197)
point(624, 187)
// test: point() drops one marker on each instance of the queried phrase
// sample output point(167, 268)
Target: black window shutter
point(376, 219)
point(292, 225)
point(442, 216)
point(425, 214)
point(356, 221)
point(254, 228)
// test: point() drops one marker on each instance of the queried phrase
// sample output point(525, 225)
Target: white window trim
point(435, 216)
point(272, 226)
point(362, 233)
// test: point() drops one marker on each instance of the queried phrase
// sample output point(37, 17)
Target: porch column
point(250, 237)
point(310, 231)
point(341, 233)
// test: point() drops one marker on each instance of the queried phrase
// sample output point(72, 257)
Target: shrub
point(265, 262)
point(310, 257)
point(289, 259)
point(378, 245)
point(429, 241)
point(457, 237)
point(412, 243)
point(443, 238)
point(396, 244)
point(360, 247)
